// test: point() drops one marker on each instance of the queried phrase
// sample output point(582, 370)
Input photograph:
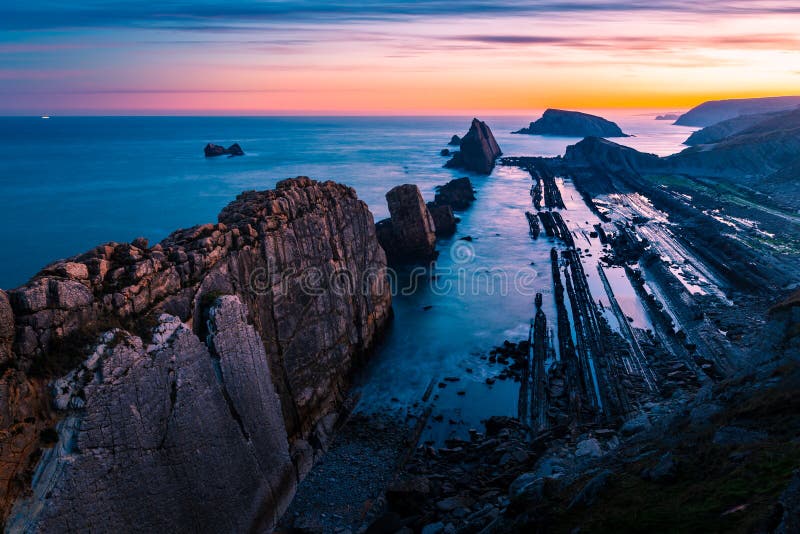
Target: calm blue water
point(68, 184)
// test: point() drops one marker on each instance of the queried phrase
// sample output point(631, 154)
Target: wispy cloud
point(237, 15)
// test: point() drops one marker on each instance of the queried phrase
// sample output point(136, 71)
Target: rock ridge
point(220, 320)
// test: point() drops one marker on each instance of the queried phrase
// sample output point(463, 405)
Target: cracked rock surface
point(148, 388)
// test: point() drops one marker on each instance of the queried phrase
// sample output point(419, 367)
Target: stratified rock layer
point(409, 234)
point(225, 351)
point(479, 150)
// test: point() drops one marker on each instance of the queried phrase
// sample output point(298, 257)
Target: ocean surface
point(71, 183)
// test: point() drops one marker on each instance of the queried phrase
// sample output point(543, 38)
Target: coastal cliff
point(715, 111)
point(193, 382)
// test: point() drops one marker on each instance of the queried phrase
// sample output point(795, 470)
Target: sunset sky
point(411, 57)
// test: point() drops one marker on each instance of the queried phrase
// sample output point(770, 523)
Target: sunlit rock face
point(183, 384)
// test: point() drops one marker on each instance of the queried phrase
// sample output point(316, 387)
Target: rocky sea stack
point(409, 235)
point(479, 150)
point(211, 150)
point(191, 384)
point(572, 124)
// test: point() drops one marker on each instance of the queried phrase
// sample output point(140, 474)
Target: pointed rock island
point(479, 150)
point(563, 123)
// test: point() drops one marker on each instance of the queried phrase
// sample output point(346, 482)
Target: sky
point(374, 57)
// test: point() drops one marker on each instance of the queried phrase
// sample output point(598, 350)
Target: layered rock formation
point(721, 130)
point(211, 150)
point(572, 124)
point(409, 234)
point(191, 383)
point(715, 111)
point(479, 150)
point(758, 151)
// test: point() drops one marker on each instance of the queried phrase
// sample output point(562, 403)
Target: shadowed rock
point(572, 124)
point(479, 150)
point(714, 111)
point(211, 150)
point(443, 219)
point(456, 193)
point(409, 234)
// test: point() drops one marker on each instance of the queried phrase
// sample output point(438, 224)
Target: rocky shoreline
point(206, 341)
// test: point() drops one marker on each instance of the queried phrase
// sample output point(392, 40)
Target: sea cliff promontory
point(189, 384)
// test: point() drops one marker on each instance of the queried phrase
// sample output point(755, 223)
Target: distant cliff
point(572, 124)
point(758, 151)
point(715, 111)
point(721, 130)
point(191, 384)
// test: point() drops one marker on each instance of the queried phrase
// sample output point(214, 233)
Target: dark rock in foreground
point(608, 155)
point(188, 385)
point(455, 141)
point(409, 235)
point(443, 219)
point(211, 150)
point(715, 111)
point(479, 150)
point(572, 124)
point(456, 193)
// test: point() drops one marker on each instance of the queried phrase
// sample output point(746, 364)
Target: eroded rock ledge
point(192, 382)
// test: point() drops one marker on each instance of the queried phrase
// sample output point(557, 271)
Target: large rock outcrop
point(443, 219)
point(479, 150)
point(572, 124)
point(609, 156)
point(715, 111)
point(457, 194)
point(193, 382)
point(409, 235)
point(211, 150)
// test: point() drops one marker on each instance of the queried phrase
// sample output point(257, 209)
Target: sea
point(70, 183)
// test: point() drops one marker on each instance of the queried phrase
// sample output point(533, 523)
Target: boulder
point(589, 447)
point(409, 235)
point(457, 193)
point(211, 150)
point(455, 141)
point(635, 425)
point(443, 219)
point(572, 124)
point(479, 150)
